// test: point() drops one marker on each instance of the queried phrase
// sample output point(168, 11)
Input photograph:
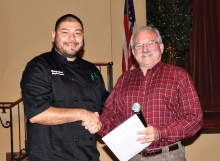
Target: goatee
point(67, 54)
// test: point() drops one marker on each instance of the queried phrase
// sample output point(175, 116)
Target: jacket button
point(76, 99)
point(77, 140)
point(90, 100)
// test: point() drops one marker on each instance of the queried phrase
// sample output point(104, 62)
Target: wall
point(25, 32)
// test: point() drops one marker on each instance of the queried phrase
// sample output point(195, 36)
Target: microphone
point(137, 110)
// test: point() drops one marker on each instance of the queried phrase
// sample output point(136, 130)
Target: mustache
point(148, 53)
point(71, 43)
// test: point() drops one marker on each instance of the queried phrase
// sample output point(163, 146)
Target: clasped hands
point(91, 122)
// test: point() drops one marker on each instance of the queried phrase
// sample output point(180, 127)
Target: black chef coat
point(51, 80)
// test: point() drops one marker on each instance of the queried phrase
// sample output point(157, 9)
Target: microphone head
point(136, 107)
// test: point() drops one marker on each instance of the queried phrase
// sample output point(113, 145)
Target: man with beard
point(167, 97)
point(63, 98)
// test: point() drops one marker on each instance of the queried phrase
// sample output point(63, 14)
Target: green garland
point(173, 18)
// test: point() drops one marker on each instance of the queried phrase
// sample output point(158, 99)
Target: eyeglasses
point(150, 45)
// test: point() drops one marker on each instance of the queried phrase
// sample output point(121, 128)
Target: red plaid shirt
point(168, 99)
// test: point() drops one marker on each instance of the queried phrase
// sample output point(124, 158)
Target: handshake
point(91, 121)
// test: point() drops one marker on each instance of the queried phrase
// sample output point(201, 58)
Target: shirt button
point(143, 93)
point(75, 99)
point(162, 139)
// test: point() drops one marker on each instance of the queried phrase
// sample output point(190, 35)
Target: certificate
point(122, 140)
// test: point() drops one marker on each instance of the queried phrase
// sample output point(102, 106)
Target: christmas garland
point(173, 18)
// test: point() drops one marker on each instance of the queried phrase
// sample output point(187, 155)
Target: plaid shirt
point(168, 100)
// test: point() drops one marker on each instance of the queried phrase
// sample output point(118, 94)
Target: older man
point(167, 96)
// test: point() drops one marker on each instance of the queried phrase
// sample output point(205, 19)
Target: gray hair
point(148, 28)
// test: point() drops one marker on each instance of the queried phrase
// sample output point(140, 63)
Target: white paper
point(122, 140)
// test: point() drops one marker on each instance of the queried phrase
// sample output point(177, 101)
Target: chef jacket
point(51, 80)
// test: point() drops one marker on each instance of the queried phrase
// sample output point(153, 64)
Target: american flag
point(129, 27)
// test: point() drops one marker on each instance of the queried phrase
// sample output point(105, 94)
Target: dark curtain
point(203, 59)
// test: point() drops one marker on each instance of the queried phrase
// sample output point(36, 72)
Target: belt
point(153, 152)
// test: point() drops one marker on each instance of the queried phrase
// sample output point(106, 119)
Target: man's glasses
point(150, 45)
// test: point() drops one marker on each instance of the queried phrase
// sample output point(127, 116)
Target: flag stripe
point(129, 27)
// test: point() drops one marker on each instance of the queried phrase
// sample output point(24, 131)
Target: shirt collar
point(155, 68)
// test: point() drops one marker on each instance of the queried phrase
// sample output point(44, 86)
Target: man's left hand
point(150, 134)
